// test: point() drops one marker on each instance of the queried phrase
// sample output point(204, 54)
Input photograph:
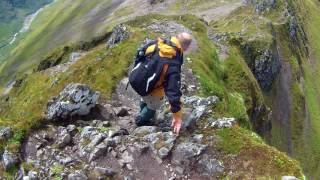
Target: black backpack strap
point(170, 43)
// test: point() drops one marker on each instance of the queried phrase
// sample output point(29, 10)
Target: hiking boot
point(144, 119)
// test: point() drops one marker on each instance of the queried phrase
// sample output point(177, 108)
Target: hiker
point(157, 73)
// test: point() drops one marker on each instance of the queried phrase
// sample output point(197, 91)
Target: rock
point(9, 159)
point(75, 99)
point(95, 123)
point(126, 157)
point(161, 143)
point(86, 132)
point(209, 167)
point(72, 129)
point(266, 68)
point(64, 138)
point(186, 153)
point(104, 171)
point(144, 130)
point(98, 151)
point(33, 175)
point(105, 124)
point(141, 147)
point(5, 133)
point(119, 33)
point(78, 175)
point(97, 139)
point(199, 101)
point(197, 138)
point(163, 152)
point(119, 132)
point(222, 123)
point(289, 178)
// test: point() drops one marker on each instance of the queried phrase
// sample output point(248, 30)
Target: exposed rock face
point(5, 133)
point(266, 68)
point(75, 99)
point(264, 62)
point(119, 34)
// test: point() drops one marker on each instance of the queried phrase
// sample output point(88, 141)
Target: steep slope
point(260, 61)
point(12, 14)
point(238, 148)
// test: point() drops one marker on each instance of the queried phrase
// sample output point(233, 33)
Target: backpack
point(148, 68)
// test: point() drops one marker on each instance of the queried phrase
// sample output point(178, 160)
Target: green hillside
point(268, 80)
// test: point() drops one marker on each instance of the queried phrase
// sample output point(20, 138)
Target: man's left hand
point(176, 124)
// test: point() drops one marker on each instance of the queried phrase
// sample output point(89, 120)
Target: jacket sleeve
point(172, 87)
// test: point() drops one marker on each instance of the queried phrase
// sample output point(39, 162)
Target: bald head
point(185, 40)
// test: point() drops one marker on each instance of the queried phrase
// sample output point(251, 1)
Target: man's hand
point(176, 124)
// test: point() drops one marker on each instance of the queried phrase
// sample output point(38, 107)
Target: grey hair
point(185, 39)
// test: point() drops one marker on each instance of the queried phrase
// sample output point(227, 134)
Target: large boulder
point(119, 33)
point(75, 99)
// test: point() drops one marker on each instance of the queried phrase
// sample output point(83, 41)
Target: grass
point(101, 75)
point(52, 28)
point(249, 157)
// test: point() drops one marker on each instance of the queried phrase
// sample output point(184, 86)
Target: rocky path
point(107, 144)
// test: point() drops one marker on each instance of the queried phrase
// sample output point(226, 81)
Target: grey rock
point(97, 139)
point(127, 157)
point(95, 123)
point(119, 132)
point(5, 133)
point(64, 139)
point(266, 68)
point(79, 175)
point(197, 138)
point(141, 147)
point(119, 33)
point(163, 152)
point(105, 171)
point(105, 124)
point(127, 178)
point(75, 99)
point(86, 132)
point(9, 159)
point(166, 140)
point(186, 153)
point(144, 130)
point(289, 178)
point(72, 129)
point(223, 123)
point(33, 175)
point(209, 167)
point(199, 101)
point(98, 151)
